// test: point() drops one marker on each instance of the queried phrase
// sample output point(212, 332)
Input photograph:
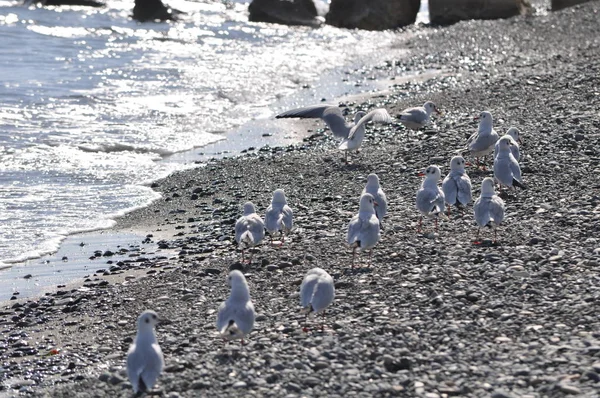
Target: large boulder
point(88, 3)
point(286, 12)
point(560, 4)
point(153, 10)
point(445, 12)
point(372, 14)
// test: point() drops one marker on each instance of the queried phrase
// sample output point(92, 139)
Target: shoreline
point(434, 315)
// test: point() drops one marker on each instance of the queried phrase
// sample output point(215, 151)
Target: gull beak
point(439, 112)
point(468, 164)
point(421, 174)
point(375, 204)
point(519, 141)
point(476, 118)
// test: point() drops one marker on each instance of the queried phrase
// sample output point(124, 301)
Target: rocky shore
point(435, 316)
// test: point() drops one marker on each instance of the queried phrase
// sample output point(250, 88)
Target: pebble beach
point(434, 315)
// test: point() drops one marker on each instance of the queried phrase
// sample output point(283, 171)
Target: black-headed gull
point(357, 133)
point(457, 184)
point(430, 198)
point(417, 117)
point(317, 292)
point(235, 318)
point(488, 208)
point(249, 229)
point(515, 135)
point(331, 115)
point(506, 168)
point(374, 188)
point(145, 360)
point(482, 142)
point(363, 230)
point(279, 216)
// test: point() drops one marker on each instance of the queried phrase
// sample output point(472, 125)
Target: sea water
point(93, 104)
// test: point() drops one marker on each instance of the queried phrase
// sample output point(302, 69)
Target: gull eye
point(153, 316)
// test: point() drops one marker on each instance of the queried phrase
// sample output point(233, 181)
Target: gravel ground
point(435, 315)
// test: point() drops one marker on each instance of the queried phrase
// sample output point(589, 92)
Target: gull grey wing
point(307, 289)
point(256, 227)
point(331, 115)
point(324, 293)
point(428, 201)
point(241, 226)
point(482, 142)
point(496, 209)
point(415, 115)
point(379, 115)
point(223, 316)
point(481, 211)
point(354, 229)
point(465, 189)
point(515, 168)
point(450, 188)
point(287, 217)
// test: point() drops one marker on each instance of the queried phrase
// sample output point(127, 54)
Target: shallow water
point(92, 103)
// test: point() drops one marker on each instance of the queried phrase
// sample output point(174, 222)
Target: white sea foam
point(93, 103)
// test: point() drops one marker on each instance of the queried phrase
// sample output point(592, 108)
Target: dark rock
point(153, 10)
point(395, 364)
point(560, 4)
point(286, 12)
point(445, 12)
point(372, 15)
point(86, 3)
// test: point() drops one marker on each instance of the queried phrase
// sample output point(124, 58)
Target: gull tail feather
point(231, 331)
point(519, 184)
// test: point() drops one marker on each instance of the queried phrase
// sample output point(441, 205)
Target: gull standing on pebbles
point(235, 318)
point(457, 184)
point(506, 168)
point(374, 189)
point(357, 133)
point(279, 216)
point(363, 230)
point(249, 229)
point(430, 198)
point(331, 115)
point(488, 208)
point(515, 136)
point(316, 292)
point(482, 142)
point(145, 359)
point(417, 117)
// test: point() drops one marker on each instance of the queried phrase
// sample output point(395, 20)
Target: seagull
point(357, 133)
point(145, 359)
point(235, 318)
point(374, 189)
point(515, 136)
point(482, 142)
point(457, 184)
point(249, 229)
point(316, 292)
point(430, 198)
point(331, 115)
point(488, 208)
point(417, 117)
point(506, 167)
point(279, 216)
point(363, 230)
